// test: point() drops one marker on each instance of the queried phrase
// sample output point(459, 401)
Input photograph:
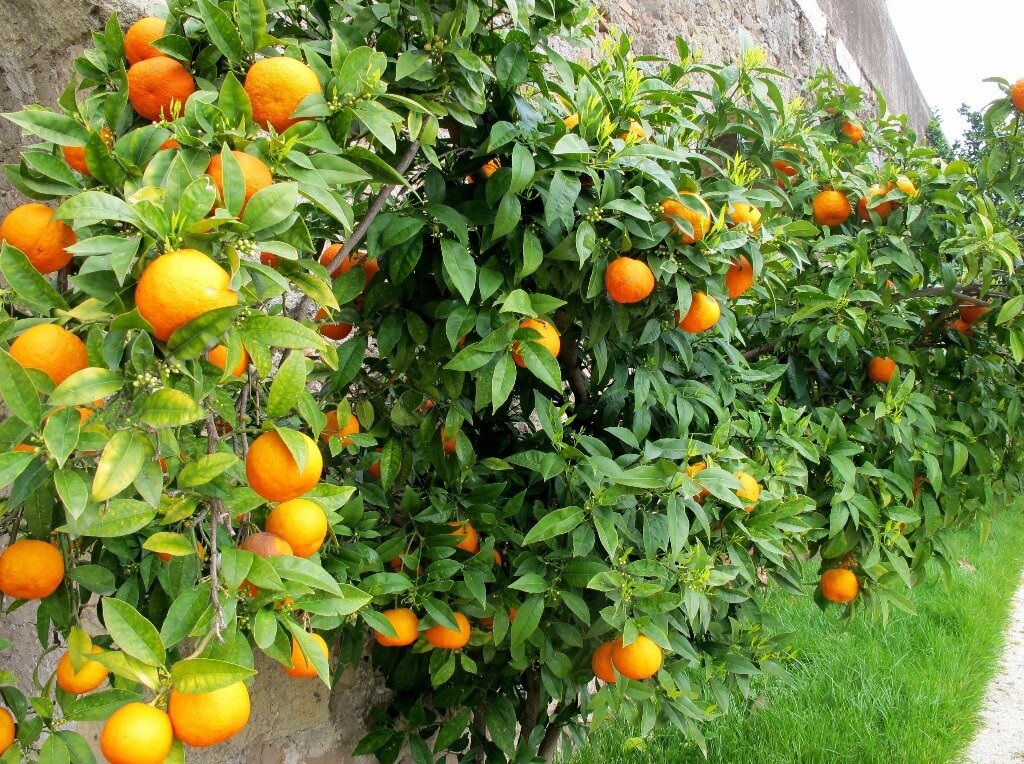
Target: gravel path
point(1001, 737)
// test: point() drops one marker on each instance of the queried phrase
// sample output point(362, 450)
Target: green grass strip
point(909, 692)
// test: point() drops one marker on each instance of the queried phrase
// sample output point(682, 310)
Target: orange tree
point(362, 318)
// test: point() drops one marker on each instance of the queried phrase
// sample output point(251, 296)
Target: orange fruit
point(159, 87)
point(549, 339)
point(571, 121)
point(601, 663)
point(750, 490)
point(88, 678)
point(374, 469)
point(470, 538)
point(218, 356)
point(137, 733)
point(208, 718)
point(450, 444)
point(331, 429)
point(1017, 94)
point(170, 143)
point(831, 208)
point(740, 277)
point(273, 472)
point(628, 280)
point(405, 624)
point(635, 132)
point(301, 523)
point(699, 222)
point(138, 40)
point(881, 369)
point(32, 229)
point(7, 730)
point(265, 544)
point(491, 167)
point(640, 660)
point(854, 132)
point(255, 174)
point(333, 331)
point(970, 312)
point(784, 167)
point(740, 213)
point(30, 569)
point(704, 313)
point(450, 639)
point(351, 260)
point(961, 326)
point(270, 259)
point(179, 286)
point(883, 210)
point(691, 472)
point(839, 585)
point(299, 666)
point(906, 185)
point(52, 350)
point(497, 557)
point(276, 86)
point(75, 155)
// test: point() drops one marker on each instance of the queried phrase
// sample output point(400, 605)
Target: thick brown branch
point(569, 358)
point(754, 353)
point(552, 739)
point(532, 706)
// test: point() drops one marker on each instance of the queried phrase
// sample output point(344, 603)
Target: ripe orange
point(906, 185)
point(331, 429)
point(405, 624)
point(137, 733)
point(7, 730)
point(640, 660)
point(139, 38)
point(32, 229)
point(785, 167)
point(883, 210)
point(740, 277)
point(91, 675)
point(831, 208)
point(839, 585)
point(491, 167)
point(691, 472)
point(635, 132)
point(301, 523)
point(170, 143)
point(548, 339)
point(52, 349)
point(450, 444)
point(628, 280)
point(374, 469)
point(470, 538)
point(449, 639)
point(1017, 94)
point(299, 666)
point(962, 327)
point(740, 213)
point(881, 369)
point(333, 331)
point(970, 312)
point(218, 356)
point(352, 259)
point(571, 121)
point(273, 472)
point(854, 132)
point(265, 544)
point(75, 155)
point(750, 490)
point(255, 174)
point(704, 313)
point(30, 569)
point(159, 87)
point(208, 718)
point(276, 86)
point(700, 222)
point(179, 286)
point(601, 663)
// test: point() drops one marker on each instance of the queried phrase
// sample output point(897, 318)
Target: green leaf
point(121, 518)
point(12, 464)
point(510, 212)
point(188, 609)
point(133, 632)
point(165, 542)
point(305, 572)
point(390, 463)
point(270, 206)
point(51, 127)
point(86, 386)
point(1010, 310)
point(523, 168)
point(234, 101)
point(168, 407)
point(311, 649)
point(288, 385)
point(198, 675)
point(502, 380)
point(97, 706)
point(61, 433)
point(18, 392)
point(527, 620)
point(203, 331)
point(541, 364)
point(222, 30)
point(351, 600)
point(97, 207)
point(30, 286)
point(120, 463)
point(556, 523)
point(512, 66)
point(95, 578)
point(205, 468)
point(251, 20)
point(281, 332)
point(460, 267)
point(232, 182)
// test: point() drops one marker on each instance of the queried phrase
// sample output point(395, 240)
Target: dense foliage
point(491, 180)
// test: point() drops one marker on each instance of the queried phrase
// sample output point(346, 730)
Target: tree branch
point(532, 706)
point(552, 740)
point(754, 353)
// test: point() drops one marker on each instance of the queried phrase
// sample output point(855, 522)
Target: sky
point(953, 45)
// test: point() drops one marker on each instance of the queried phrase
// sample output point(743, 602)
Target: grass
point(909, 692)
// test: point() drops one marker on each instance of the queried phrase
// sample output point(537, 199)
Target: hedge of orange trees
point(347, 328)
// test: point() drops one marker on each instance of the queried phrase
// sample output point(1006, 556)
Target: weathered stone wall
point(298, 720)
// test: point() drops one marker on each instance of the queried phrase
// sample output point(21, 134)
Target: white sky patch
point(815, 15)
point(953, 45)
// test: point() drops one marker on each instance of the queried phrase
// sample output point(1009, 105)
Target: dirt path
point(1001, 737)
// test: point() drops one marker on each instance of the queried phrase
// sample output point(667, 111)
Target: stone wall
point(298, 720)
